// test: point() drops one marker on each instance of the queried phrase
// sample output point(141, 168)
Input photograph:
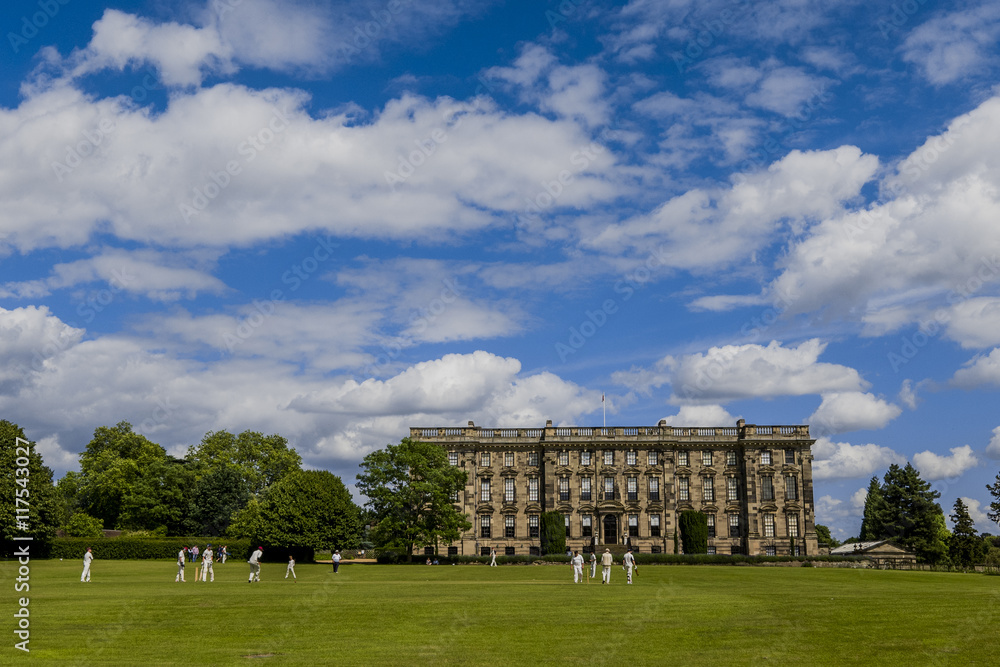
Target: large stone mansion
point(627, 485)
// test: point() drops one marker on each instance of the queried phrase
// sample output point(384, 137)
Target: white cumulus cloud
point(851, 411)
point(934, 466)
point(837, 460)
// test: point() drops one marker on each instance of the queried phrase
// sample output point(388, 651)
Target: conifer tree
point(965, 547)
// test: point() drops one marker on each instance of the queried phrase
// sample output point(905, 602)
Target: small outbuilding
point(884, 555)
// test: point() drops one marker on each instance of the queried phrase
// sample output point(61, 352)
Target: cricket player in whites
point(88, 558)
point(180, 566)
point(206, 564)
point(577, 563)
point(255, 565)
point(291, 569)
point(607, 560)
point(628, 563)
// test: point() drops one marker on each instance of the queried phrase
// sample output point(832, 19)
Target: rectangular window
point(711, 524)
point(533, 490)
point(730, 458)
point(566, 521)
point(732, 489)
point(795, 550)
point(654, 525)
point(585, 489)
point(652, 458)
point(631, 457)
point(791, 488)
point(484, 551)
point(564, 489)
point(508, 459)
point(533, 526)
point(736, 550)
point(452, 551)
point(585, 458)
point(633, 525)
point(564, 458)
point(655, 549)
point(790, 456)
point(454, 496)
point(683, 489)
point(765, 457)
point(609, 457)
point(734, 525)
point(768, 525)
point(793, 525)
point(484, 459)
point(766, 488)
point(632, 486)
point(484, 526)
point(533, 459)
point(508, 490)
point(769, 550)
point(683, 459)
point(588, 526)
point(453, 458)
point(708, 489)
point(609, 488)
point(428, 551)
point(711, 551)
point(706, 458)
point(484, 490)
point(534, 551)
point(508, 525)
point(654, 488)
point(508, 551)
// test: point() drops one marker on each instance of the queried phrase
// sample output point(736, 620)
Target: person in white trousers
point(206, 564)
point(255, 565)
point(607, 560)
point(493, 557)
point(593, 565)
point(88, 558)
point(180, 566)
point(628, 563)
point(291, 569)
point(577, 563)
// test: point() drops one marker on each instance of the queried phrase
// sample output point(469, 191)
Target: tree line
point(903, 509)
point(245, 485)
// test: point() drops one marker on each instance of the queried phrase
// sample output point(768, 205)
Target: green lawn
point(133, 613)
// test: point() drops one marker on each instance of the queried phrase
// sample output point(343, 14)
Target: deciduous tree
point(217, 496)
point(260, 460)
point(115, 461)
point(306, 508)
point(30, 484)
point(409, 487)
point(824, 537)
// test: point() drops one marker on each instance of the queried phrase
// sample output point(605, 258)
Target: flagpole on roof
point(604, 405)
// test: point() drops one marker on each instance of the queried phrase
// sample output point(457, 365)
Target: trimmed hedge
point(142, 548)
point(389, 557)
point(722, 559)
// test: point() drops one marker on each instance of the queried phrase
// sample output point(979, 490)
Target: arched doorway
point(610, 529)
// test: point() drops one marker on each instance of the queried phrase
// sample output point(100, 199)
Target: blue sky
point(337, 220)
